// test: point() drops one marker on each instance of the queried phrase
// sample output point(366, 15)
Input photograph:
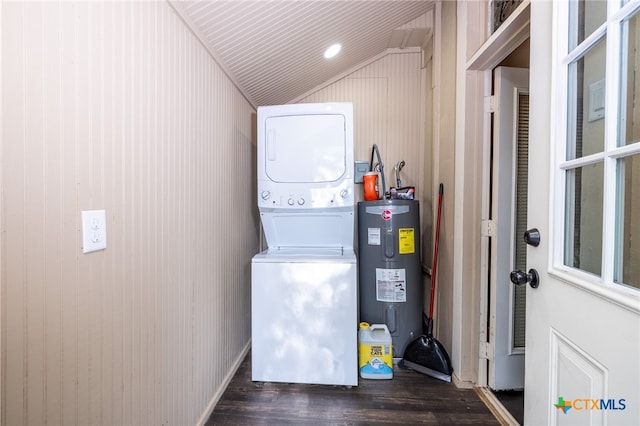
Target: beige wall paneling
point(429, 203)
point(444, 65)
point(117, 106)
point(386, 96)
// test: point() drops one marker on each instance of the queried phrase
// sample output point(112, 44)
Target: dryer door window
point(305, 148)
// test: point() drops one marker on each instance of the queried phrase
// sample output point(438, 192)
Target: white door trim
point(473, 130)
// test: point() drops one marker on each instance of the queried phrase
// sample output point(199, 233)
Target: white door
point(583, 321)
point(508, 213)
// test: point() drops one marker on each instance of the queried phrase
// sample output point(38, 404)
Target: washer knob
point(265, 194)
point(290, 201)
point(344, 193)
point(301, 201)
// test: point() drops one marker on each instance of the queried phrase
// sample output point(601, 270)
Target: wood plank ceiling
point(274, 49)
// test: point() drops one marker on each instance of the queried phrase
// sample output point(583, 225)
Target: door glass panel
point(587, 17)
point(628, 226)
point(586, 103)
point(593, 31)
point(630, 115)
point(583, 228)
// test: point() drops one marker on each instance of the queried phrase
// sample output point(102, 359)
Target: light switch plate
point(94, 230)
point(596, 100)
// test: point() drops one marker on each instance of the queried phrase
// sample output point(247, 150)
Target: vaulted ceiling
point(274, 49)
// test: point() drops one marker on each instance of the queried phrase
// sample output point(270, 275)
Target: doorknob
point(532, 237)
point(520, 278)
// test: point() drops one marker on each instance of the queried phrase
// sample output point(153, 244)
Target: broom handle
point(435, 253)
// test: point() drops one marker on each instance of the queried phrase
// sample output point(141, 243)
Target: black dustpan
point(425, 354)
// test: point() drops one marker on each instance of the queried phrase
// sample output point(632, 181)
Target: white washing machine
point(304, 301)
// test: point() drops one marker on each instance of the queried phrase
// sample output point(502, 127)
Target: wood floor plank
point(410, 398)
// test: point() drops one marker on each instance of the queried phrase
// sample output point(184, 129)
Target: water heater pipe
point(399, 167)
point(380, 167)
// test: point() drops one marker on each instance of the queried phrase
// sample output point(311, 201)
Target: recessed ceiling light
point(332, 51)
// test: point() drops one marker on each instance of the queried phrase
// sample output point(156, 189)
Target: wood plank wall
point(117, 106)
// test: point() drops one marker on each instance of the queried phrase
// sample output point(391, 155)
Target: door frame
point(477, 90)
point(478, 53)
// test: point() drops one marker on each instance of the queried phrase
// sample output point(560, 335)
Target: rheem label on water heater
point(391, 285)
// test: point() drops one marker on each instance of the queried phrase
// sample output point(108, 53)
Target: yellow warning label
point(406, 241)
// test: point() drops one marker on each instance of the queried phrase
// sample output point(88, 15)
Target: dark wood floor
point(410, 398)
point(513, 401)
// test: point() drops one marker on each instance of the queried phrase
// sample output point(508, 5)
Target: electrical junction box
point(360, 168)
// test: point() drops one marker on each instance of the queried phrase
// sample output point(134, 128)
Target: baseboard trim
point(218, 394)
point(461, 384)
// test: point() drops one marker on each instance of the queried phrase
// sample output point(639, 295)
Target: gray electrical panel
point(360, 168)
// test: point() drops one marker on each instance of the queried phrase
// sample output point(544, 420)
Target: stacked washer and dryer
point(304, 286)
point(308, 293)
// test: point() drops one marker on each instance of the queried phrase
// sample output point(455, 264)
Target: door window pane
point(602, 61)
point(583, 230)
point(587, 17)
point(630, 86)
point(586, 103)
point(628, 226)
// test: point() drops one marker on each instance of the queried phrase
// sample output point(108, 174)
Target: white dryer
point(304, 302)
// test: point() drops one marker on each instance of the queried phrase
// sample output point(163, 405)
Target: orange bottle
point(370, 181)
